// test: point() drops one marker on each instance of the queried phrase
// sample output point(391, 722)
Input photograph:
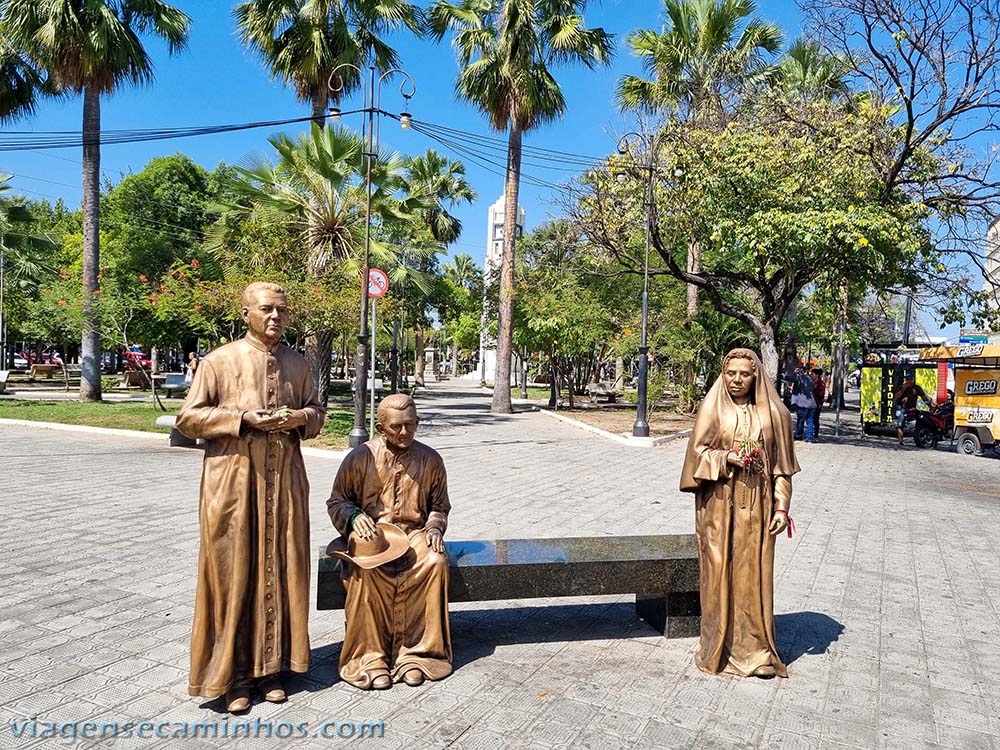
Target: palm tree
point(700, 59)
point(462, 271)
point(90, 47)
point(316, 188)
point(698, 62)
point(443, 184)
point(303, 41)
point(20, 84)
point(807, 73)
point(505, 49)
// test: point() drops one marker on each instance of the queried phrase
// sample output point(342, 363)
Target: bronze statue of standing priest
point(253, 402)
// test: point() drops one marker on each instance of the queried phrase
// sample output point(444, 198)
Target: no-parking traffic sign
point(378, 282)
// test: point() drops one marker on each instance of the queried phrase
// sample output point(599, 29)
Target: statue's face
point(400, 427)
point(267, 315)
point(738, 377)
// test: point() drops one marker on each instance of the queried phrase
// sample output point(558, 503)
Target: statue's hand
point(435, 540)
point(733, 459)
point(292, 420)
point(364, 526)
point(261, 419)
point(779, 521)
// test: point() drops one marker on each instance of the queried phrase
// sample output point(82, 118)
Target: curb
point(306, 450)
point(635, 442)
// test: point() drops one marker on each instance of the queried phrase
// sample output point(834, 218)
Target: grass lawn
point(142, 417)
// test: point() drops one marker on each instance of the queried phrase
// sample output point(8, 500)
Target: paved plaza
point(887, 599)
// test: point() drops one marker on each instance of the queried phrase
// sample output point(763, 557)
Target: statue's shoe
point(766, 671)
point(272, 690)
point(413, 677)
point(382, 682)
point(238, 700)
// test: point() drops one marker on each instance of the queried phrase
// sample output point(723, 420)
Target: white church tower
point(491, 274)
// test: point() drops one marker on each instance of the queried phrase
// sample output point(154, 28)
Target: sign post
point(378, 284)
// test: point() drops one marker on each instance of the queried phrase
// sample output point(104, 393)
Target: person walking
point(819, 394)
point(190, 367)
point(805, 404)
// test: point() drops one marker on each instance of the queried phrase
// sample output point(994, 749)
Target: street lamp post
point(641, 427)
point(372, 100)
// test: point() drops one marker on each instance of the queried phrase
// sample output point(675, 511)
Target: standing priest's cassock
point(252, 601)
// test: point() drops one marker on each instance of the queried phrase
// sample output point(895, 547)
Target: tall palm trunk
point(319, 344)
point(454, 359)
point(505, 330)
point(90, 342)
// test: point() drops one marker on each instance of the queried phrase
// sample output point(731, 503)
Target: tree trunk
point(837, 360)
point(524, 372)
point(454, 359)
point(418, 357)
point(90, 342)
point(505, 330)
point(319, 347)
point(693, 266)
point(768, 351)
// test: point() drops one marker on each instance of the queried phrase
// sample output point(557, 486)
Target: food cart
point(882, 373)
point(977, 401)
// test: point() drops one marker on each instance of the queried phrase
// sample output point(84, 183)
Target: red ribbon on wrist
point(791, 523)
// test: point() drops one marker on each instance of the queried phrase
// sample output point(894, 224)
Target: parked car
point(47, 357)
point(20, 361)
point(137, 359)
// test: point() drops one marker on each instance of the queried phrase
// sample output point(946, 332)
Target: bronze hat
point(390, 542)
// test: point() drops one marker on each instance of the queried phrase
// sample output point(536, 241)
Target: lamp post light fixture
point(372, 101)
point(649, 143)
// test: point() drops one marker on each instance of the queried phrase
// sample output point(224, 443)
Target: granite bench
point(596, 390)
point(173, 383)
point(662, 572)
point(177, 438)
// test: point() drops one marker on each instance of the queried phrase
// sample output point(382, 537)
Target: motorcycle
point(930, 426)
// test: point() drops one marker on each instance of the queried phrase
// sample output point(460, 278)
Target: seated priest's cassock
point(397, 611)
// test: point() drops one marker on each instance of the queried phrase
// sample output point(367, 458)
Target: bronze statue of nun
point(739, 463)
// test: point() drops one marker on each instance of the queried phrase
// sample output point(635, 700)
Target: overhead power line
point(21, 140)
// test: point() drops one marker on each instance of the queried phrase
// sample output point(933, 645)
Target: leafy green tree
point(25, 257)
point(709, 53)
point(303, 41)
point(154, 221)
point(459, 305)
point(775, 205)
point(506, 49)
point(91, 47)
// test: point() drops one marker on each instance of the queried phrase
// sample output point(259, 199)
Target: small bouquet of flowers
point(749, 453)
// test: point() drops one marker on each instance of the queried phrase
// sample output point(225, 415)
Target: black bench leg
point(675, 614)
point(179, 440)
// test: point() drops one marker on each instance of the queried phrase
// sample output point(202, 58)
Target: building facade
point(491, 274)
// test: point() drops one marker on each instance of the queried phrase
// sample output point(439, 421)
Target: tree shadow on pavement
point(800, 633)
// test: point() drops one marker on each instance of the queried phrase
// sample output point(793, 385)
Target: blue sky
point(215, 81)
